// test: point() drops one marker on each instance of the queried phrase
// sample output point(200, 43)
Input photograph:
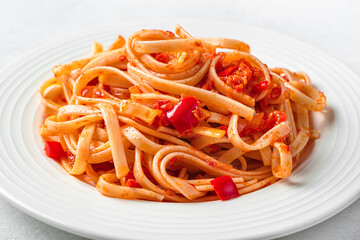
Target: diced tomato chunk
point(273, 119)
point(54, 150)
point(275, 93)
point(236, 76)
point(164, 106)
point(225, 188)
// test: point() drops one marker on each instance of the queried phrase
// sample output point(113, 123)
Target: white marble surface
point(333, 26)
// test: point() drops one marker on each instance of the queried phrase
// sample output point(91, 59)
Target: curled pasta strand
point(106, 185)
point(281, 160)
point(278, 131)
point(306, 95)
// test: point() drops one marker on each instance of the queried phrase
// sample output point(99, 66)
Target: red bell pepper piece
point(227, 71)
point(225, 188)
point(133, 183)
point(54, 150)
point(225, 128)
point(182, 116)
point(130, 180)
point(130, 175)
point(259, 87)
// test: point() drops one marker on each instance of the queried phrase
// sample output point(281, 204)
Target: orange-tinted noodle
point(166, 117)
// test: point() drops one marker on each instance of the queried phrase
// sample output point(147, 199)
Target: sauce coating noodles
point(167, 117)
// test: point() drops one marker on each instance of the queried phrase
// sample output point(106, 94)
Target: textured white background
point(333, 26)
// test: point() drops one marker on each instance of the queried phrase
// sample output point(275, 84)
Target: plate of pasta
point(172, 130)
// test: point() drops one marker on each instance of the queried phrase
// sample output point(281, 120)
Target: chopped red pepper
point(227, 71)
point(54, 150)
point(224, 128)
point(130, 180)
point(170, 33)
point(259, 87)
point(130, 175)
point(182, 116)
point(225, 188)
point(122, 58)
point(236, 76)
point(132, 183)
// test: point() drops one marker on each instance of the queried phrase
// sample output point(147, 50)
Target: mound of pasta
point(171, 117)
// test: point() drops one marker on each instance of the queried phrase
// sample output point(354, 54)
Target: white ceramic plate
point(324, 183)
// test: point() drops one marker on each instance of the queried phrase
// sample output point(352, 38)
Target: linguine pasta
point(167, 117)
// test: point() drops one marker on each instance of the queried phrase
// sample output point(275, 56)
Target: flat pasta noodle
point(172, 117)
